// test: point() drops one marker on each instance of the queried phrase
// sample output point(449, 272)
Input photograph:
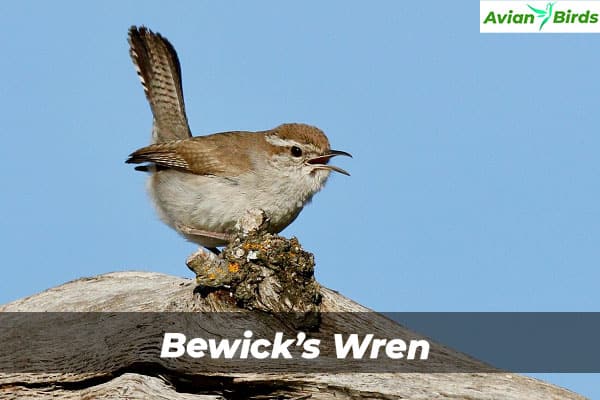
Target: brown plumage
point(198, 155)
point(159, 70)
point(225, 154)
point(303, 133)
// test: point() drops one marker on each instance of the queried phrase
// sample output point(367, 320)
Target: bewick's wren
point(203, 185)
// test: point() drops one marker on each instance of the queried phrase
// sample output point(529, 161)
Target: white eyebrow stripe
point(277, 141)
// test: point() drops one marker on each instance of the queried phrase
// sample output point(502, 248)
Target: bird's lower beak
point(322, 162)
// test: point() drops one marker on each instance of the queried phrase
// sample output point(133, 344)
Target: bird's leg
point(187, 230)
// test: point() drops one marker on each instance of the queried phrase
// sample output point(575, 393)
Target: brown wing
point(158, 67)
point(223, 154)
point(164, 154)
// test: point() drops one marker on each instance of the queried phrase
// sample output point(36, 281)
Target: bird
point(202, 185)
point(545, 14)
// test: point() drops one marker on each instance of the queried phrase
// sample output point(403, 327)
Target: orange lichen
point(252, 246)
point(234, 267)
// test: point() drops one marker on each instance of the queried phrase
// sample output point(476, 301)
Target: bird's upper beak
point(322, 162)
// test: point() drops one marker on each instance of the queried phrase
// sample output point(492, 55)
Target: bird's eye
point(296, 151)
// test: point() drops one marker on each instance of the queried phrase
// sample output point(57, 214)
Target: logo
point(545, 14)
point(536, 16)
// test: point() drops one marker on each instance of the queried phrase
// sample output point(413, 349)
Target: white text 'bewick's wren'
point(203, 185)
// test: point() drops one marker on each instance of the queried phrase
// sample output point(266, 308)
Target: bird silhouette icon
point(545, 14)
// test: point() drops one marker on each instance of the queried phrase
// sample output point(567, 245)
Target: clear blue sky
point(475, 175)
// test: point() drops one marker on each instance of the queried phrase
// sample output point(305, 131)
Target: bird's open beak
point(322, 162)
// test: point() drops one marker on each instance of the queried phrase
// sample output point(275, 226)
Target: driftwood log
point(257, 274)
point(146, 291)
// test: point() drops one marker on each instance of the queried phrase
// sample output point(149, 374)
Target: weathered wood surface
point(145, 291)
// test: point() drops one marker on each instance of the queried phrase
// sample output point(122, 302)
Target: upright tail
point(157, 65)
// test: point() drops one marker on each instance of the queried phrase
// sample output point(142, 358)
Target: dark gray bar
point(108, 342)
